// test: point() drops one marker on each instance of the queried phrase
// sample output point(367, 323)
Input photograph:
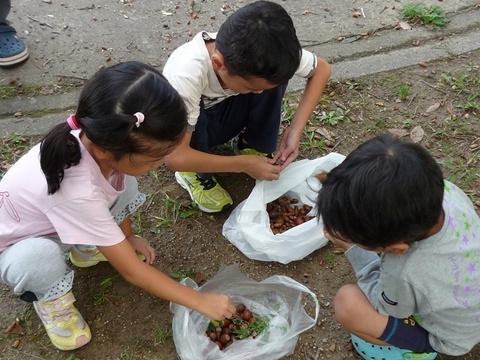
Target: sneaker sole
point(80, 262)
point(89, 263)
point(184, 185)
point(17, 59)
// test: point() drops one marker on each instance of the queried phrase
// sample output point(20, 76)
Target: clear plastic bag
point(279, 298)
point(248, 226)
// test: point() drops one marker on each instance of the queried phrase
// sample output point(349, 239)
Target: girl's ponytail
point(59, 150)
point(129, 108)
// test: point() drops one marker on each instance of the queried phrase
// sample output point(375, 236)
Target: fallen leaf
point(325, 133)
point(404, 25)
point(398, 133)
point(417, 134)
point(379, 103)
point(16, 343)
point(15, 328)
point(350, 39)
point(433, 107)
point(423, 64)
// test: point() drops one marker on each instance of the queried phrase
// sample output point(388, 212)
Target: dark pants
point(4, 11)
point(257, 115)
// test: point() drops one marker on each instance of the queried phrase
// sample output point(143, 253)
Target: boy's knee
point(346, 302)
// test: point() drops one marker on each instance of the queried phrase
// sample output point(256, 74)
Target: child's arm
point(185, 158)
point(290, 143)
point(124, 260)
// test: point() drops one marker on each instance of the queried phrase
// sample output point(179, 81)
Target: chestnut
point(246, 315)
point(240, 308)
point(224, 338)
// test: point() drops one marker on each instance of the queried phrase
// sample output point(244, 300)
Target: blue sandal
point(376, 352)
point(12, 49)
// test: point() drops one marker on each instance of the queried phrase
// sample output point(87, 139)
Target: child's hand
point(288, 149)
point(142, 246)
point(336, 241)
point(261, 168)
point(216, 306)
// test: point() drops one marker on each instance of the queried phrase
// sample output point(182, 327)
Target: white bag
point(279, 298)
point(248, 226)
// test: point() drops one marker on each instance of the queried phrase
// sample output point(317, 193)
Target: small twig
point(40, 22)
point(411, 100)
point(33, 19)
point(433, 87)
point(385, 8)
point(338, 143)
point(71, 77)
point(341, 106)
point(363, 14)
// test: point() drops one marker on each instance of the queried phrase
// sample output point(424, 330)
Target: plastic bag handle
point(285, 280)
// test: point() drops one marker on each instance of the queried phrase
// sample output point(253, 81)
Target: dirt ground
point(440, 110)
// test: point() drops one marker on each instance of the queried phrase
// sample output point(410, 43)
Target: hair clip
point(73, 123)
point(140, 117)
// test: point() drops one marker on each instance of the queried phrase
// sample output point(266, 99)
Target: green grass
point(329, 258)
point(403, 91)
point(182, 274)
point(103, 296)
point(162, 334)
point(433, 15)
point(171, 211)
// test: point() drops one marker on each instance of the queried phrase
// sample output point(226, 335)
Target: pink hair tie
point(140, 117)
point(73, 122)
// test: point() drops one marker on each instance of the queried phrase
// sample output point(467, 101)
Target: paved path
point(69, 41)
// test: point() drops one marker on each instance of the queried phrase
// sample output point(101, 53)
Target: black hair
point(385, 191)
point(259, 40)
point(105, 114)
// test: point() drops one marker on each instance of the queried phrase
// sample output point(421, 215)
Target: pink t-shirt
point(79, 212)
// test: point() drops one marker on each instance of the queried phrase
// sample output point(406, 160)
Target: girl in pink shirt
point(75, 191)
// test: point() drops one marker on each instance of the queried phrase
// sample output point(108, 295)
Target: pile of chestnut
point(284, 214)
point(241, 325)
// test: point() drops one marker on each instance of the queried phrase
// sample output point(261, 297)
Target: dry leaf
point(379, 103)
point(405, 25)
point(398, 133)
point(423, 64)
point(433, 107)
point(350, 39)
point(325, 133)
point(417, 134)
point(15, 328)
